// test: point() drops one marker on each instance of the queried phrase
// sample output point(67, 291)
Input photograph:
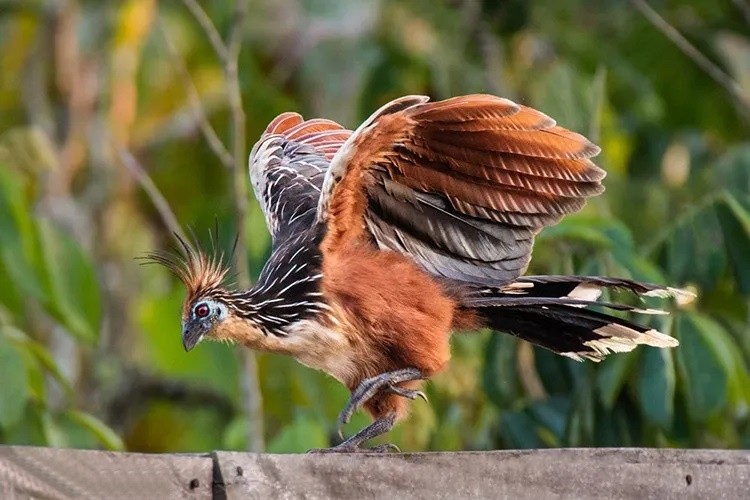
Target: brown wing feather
point(283, 122)
point(466, 170)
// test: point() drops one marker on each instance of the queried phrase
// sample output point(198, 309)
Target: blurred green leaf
point(552, 369)
point(17, 233)
point(612, 375)
point(54, 434)
point(103, 433)
point(28, 149)
point(235, 434)
point(565, 94)
point(597, 232)
point(13, 388)
point(579, 429)
point(694, 249)
point(71, 282)
point(656, 386)
point(301, 435)
point(39, 353)
point(499, 374)
point(706, 379)
point(552, 415)
point(733, 173)
point(519, 430)
point(735, 223)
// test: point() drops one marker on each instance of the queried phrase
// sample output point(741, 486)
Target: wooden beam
point(627, 473)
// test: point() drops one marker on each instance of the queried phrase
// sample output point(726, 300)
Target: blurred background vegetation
point(116, 116)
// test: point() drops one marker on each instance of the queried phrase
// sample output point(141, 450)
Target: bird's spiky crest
point(201, 272)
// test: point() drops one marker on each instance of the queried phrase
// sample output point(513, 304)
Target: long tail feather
point(552, 311)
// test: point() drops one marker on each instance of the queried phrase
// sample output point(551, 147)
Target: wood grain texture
point(627, 474)
point(617, 473)
point(34, 472)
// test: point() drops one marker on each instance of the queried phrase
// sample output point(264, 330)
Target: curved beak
point(191, 336)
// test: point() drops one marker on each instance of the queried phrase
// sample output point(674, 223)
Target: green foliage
point(90, 354)
point(14, 390)
point(43, 268)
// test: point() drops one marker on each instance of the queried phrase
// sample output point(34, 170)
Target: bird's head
point(202, 317)
point(207, 312)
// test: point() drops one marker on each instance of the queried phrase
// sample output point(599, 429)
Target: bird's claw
point(350, 448)
point(407, 393)
point(366, 389)
point(370, 386)
point(343, 419)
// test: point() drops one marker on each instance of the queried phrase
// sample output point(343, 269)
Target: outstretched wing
point(287, 167)
point(461, 185)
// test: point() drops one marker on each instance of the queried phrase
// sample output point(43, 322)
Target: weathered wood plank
point(570, 473)
point(30, 472)
point(537, 474)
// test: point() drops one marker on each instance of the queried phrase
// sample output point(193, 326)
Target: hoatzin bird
point(389, 238)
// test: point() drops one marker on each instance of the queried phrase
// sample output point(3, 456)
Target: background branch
point(208, 28)
point(722, 78)
point(160, 203)
point(217, 146)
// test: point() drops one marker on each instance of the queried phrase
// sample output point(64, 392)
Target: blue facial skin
point(204, 314)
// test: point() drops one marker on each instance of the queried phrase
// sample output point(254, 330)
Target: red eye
point(202, 310)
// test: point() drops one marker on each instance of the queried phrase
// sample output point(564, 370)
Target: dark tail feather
point(551, 311)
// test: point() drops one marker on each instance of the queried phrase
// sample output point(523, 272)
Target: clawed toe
point(358, 398)
point(369, 387)
point(384, 448)
point(342, 448)
point(407, 393)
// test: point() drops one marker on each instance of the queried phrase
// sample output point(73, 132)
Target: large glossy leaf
point(553, 371)
point(552, 416)
point(694, 251)
point(612, 375)
point(19, 245)
point(499, 375)
point(13, 384)
point(71, 283)
point(656, 386)
point(704, 373)
point(519, 430)
point(735, 224)
point(581, 422)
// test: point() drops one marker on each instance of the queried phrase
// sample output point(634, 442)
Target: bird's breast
point(324, 347)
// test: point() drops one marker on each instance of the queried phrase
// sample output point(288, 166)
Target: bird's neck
point(246, 331)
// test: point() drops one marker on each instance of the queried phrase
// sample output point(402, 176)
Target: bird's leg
point(354, 443)
point(371, 386)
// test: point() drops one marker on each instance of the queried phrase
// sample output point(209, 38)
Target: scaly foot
point(370, 386)
point(354, 443)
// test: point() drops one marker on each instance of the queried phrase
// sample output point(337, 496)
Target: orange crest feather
point(200, 272)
